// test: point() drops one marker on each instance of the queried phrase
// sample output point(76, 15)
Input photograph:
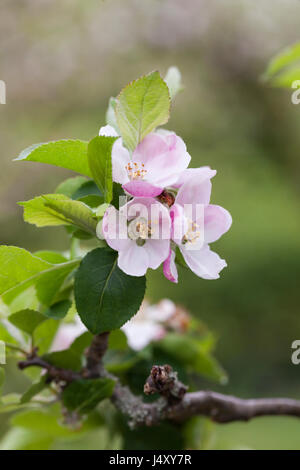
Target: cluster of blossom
point(151, 323)
point(168, 208)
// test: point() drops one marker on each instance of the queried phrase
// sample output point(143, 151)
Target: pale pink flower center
point(139, 230)
point(192, 234)
point(135, 171)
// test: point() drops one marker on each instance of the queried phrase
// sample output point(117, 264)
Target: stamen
point(139, 229)
point(135, 170)
point(192, 234)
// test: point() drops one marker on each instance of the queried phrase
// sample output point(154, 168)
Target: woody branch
point(174, 403)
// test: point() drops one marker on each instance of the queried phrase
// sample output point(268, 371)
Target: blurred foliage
point(59, 72)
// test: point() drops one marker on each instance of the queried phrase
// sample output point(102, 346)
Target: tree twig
point(54, 373)
point(174, 404)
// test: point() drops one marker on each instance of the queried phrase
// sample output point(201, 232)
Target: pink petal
point(217, 221)
point(164, 157)
point(141, 333)
point(170, 269)
point(140, 188)
point(134, 260)
point(194, 191)
point(179, 223)
point(205, 263)
point(203, 173)
point(111, 230)
point(120, 159)
point(157, 250)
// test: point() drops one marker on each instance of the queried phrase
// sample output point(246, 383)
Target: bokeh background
point(61, 61)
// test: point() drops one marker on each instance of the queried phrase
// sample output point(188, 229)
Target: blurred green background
point(62, 60)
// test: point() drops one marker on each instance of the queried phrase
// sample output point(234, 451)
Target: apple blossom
point(140, 232)
point(152, 322)
point(157, 162)
point(195, 224)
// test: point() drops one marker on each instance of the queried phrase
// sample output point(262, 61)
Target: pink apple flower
point(140, 232)
point(193, 229)
point(156, 162)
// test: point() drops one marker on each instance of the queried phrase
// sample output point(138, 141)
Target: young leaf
point(83, 396)
point(27, 320)
point(34, 389)
point(105, 296)
point(53, 257)
point(189, 352)
point(70, 154)
point(45, 421)
point(283, 59)
point(59, 310)
point(89, 188)
point(57, 209)
point(142, 105)
point(117, 340)
point(111, 114)
point(65, 359)
point(5, 336)
point(287, 77)
point(71, 185)
point(44, 334)
point(71, 358)
point(173, 80)
point(99, 157)
point(81, 343)
point(20, 270)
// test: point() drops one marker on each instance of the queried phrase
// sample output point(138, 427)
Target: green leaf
point(284, 58)
point(34, 389)
point(287, 77)
point(59, 310)
point(44, 334)
point(45, 421)
point(5, 336)
point(99, 157)
point(21, 439)
point(118, 193)
point(27, 320)
point(173, 80)
point(17, 266)
point(52, 257)
point(65, 359)
point(71, 185)
point(284, 69)
point(81, 343)
point(89, 188)
point(70, 154)
point(57, 209)
point(71, 358)
point(142, 105)
point(11, 402)
point(105, 296)
point(111, 119)
point(83, 396)
point(117, 340)
point(20, 270)
point(189, 352)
